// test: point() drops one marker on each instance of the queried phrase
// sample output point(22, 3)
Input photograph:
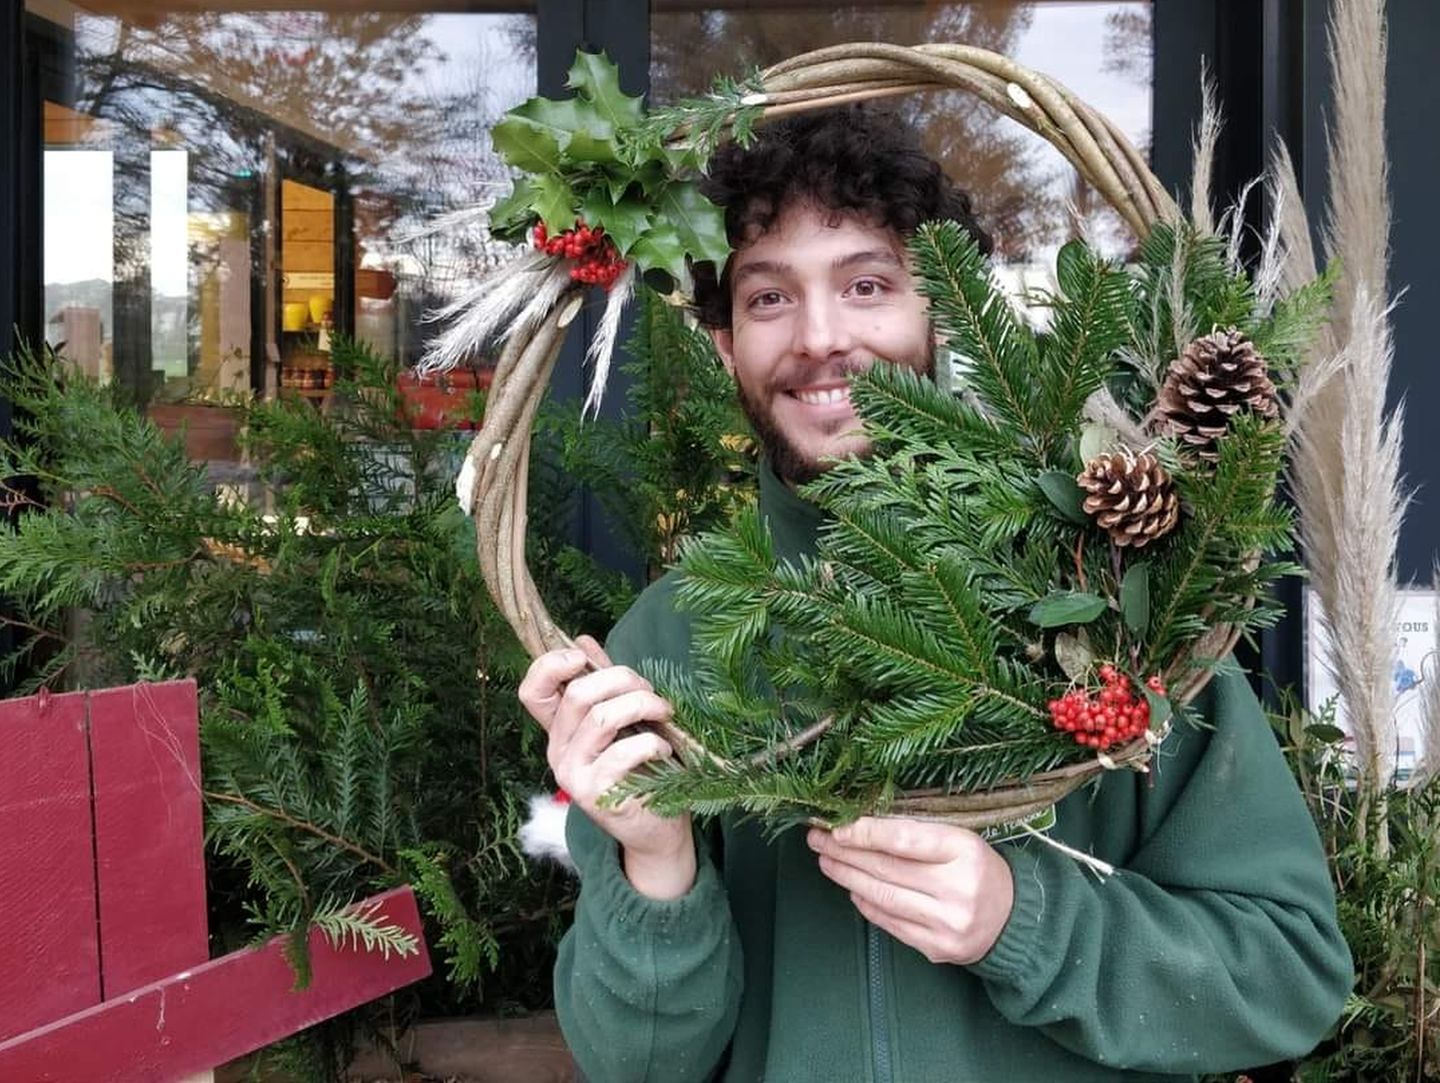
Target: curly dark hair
point(850, 160)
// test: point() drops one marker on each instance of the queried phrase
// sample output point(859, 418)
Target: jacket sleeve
point(645, 989)
point(1214, 948)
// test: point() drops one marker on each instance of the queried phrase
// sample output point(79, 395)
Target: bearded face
point(815, 300)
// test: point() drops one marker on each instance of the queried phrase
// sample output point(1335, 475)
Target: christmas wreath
point(1030, 575)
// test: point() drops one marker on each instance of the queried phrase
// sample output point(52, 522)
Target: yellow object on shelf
point(296, 317)
point(321, 306)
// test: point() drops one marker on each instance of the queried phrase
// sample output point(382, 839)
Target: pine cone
point(1130, 497)
point(1216, 377)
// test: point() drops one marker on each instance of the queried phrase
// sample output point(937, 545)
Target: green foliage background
point(359, 724)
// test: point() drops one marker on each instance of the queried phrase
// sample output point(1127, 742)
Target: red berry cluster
point(1111, 717)
point(597, 260)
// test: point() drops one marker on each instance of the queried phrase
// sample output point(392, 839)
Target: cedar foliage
point(956, 562)
point(359, 727)
point(359, 721)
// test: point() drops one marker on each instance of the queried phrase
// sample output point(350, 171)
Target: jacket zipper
point(880, 1062)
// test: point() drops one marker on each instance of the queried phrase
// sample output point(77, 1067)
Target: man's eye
point(766, 299)
point(867, 287)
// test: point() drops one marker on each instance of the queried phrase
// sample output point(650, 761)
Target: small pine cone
point(1130, 497)
point(1216, 377)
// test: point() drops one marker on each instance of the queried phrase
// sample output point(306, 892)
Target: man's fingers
point(902, 902)
point(580, 696)
point(596, 653)
point(904, 871)
point(917, 936)
point(545, 681)
point(607, 718)
point(917, 840)
point(624, 756)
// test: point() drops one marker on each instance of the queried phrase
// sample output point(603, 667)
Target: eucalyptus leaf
point(1096, 439)
point(1160, 709)
point(1322, 731)
point(1135, 597)
point(1066, 607)
point(1073, 653)
point(1065, 494)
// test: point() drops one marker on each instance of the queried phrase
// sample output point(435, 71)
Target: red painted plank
point(216, 1012)
point(49, 958)
point(149, 838)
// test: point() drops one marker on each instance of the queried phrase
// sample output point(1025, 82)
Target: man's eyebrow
point(760, 267)
point(869, 255)
point(775, 267)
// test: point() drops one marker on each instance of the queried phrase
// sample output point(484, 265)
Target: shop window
point(1026, 195)
point(223, 190)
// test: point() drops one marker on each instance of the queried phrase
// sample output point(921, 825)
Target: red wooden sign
point(107, 975)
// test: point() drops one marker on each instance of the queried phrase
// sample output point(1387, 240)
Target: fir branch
point(976, 317)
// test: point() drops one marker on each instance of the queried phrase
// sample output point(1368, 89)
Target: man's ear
point(724, 340)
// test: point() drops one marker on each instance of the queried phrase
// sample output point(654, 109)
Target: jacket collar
point(794, 521)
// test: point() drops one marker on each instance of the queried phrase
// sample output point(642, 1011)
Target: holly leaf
point(660, 249)
point(618, 183)
point(526, 145)
point(1135, 597)
point(625, 222)
point(1066, 607)
point(596, 79)
point(584, 146)
point(572, 127)
point(554, 202)
point(653, 176)
point(513, 212)
point(1064, 492)
point(698, 222)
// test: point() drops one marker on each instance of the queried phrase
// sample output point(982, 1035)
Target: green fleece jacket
point(1214, 946)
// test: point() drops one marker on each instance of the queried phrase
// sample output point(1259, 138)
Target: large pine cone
point(1130, 497)
point(1215, 378)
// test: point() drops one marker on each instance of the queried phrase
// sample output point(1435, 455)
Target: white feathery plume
point(602, 345)
point(1232, 224)
point(1297, 249)
point(1271, 268)
point(462, 218)
point(1347, 486)
point(1102, 409)
point(1182, 320)
point(1207, 135)
point(1294, 265)
point(1346, 468)
point(511, 300)
point(1429, 766)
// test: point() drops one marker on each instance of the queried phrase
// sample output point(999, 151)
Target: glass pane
point(223, 189)
point(1026, 195)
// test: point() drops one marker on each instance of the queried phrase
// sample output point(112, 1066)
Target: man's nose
point(822, 331)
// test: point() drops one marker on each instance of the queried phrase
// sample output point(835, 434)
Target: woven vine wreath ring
point(493, 482)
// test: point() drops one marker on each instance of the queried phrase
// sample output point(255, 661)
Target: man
point(894, 949)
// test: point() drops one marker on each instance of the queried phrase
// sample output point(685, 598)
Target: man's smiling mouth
point(822, 396)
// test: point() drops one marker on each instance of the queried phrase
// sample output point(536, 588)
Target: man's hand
point(943, 890)
point(583, 714)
